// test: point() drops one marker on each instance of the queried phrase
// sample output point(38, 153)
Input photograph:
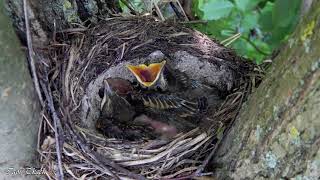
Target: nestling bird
point(176, 112)
point(121, 103)
point(117, 113)
point(169, 104)
point(113, 105)
point(175, 82)
point(120, 86)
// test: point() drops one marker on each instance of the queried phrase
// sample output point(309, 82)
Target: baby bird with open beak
point(149, 76)
point(174, 82)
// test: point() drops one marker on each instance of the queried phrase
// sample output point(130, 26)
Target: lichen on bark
point(277, 132)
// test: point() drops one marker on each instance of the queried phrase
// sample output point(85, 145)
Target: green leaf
point(278, 20)
point(215, 9)
point(214, 28)
point(245, 49)
point(273, 21)
point(265, 19)
point(245, 5)
point(284, 12)
point(250, 21)
point(278, 34)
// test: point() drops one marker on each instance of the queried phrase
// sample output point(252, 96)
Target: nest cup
point(78, 61)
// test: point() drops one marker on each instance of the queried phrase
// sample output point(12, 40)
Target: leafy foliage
point(264, 24)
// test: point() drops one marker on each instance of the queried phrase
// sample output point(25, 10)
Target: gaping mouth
point(147, 75)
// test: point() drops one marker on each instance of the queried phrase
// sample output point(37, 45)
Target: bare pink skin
point(165, 130)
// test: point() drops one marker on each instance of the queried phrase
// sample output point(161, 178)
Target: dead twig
point(55, 117)
point(194, 22)
point(31, 53)
point(73, 56)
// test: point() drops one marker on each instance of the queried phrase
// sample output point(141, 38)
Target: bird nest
point(71, 73)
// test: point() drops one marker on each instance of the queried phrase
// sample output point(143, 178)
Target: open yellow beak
point(147, 75)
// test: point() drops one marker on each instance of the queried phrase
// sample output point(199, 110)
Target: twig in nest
point(73, 30)
point(39, 131)
point(73, 55)
point(142, 44)
point(87, 150)
point(182, 171)
point(86, 159)
point(176, 11)
point(158, 11)
point(30, 53)
point(208, 158)
point(183, 12)
point(56, 134)
point(194, 22)
point(101, 160)
point(123, 47)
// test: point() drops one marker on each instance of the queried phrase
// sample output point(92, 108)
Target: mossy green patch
point(308, 31)
point(66, 5)
point(70, 12)
point(294, 133)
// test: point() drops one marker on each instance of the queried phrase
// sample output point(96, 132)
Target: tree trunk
point(19, 110)
point(47, 16)
point(277, 133)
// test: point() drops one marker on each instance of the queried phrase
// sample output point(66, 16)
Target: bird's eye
point(134, 83)
point(101, 92)
point(159, 89)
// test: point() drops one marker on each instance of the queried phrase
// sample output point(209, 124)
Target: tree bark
point(277, 133)
point(47, 16)
point(19, 109)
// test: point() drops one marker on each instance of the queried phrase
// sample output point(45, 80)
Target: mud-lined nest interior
point(73, 69)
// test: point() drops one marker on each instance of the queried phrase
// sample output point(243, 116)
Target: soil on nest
point(81, 58)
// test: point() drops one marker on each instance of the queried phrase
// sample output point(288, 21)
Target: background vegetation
point(263, 24)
